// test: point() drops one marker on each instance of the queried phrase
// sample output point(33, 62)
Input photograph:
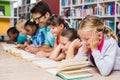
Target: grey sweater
point(106, 60)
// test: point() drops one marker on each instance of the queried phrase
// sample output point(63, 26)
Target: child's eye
point(63, 44)
point(53, 28)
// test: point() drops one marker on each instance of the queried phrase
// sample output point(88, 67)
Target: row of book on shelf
point(24, 9)
point(72, 69)
point(110, 23)
point(102, 10)
point(24, 2)
point(25, 16)
point(77, 2)
point(2, 10)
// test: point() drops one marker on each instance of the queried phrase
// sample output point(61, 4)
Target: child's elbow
point(51, 57)
point(105, 73)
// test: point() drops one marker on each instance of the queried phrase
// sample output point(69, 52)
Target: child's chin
point(55, 35)
point(88, 46)
point(65, 52)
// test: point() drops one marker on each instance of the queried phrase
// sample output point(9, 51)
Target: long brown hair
point(56, 20)
point(70, 33)
point(94, 23)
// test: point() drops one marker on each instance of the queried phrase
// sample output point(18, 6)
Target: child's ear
point(100, 34)
point(61, 26)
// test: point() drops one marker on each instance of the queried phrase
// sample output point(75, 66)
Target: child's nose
point(62, 47)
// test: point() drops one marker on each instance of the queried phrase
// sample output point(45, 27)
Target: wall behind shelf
point(4, 25)
point(54, 5)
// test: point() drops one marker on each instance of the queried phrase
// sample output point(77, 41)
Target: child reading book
point(100, 43)
point(22, 37)
point(57, 24)
point(12, 34)
point(37, 35)
point(66, 37)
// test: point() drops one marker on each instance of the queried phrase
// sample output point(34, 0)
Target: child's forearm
point(61, 56)
point(46, 48)
point(70, 52)
point(55, 53)
point(71, 49)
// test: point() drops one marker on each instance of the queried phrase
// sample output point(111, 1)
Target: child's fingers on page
point(40, 54)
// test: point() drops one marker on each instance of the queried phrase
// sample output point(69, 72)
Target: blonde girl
point(99, 43)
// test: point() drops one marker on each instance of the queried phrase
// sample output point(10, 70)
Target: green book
point(74, 76)
point(74, 69)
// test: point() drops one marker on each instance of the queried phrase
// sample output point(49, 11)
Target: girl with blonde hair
point(99, 44)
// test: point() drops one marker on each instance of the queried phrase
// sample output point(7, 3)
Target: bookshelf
point(24, 8)
point(75, 10)
point(6, 16)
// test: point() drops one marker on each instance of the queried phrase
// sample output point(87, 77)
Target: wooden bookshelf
point(109, 10)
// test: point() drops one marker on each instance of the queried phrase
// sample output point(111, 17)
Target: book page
point(52, 71)
point(46, 63)
point(7, 47)
point(77, 70)
point(73, 64)
point(71, 68)
point(27, 55)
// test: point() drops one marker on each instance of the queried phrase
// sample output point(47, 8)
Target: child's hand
point(20, 46)
point(94, 42)
point(28, 48)
point(31, 49)
point(10, 42)
point(85, 49)
point(42, 54)
point(76, 43)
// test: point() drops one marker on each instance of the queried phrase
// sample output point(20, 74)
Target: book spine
point(110, 24)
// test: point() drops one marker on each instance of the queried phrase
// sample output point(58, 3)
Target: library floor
point(15, 68)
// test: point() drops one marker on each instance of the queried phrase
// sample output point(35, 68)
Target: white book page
point(46, 63)
point(52, 71)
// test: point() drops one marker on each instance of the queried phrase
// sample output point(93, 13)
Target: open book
point(72, 69)
point(75, 76)
point(67, 69)
point(7, 47)
point(21, 53)
point(45, 63)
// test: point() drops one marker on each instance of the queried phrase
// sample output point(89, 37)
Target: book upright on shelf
point(2, 10)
